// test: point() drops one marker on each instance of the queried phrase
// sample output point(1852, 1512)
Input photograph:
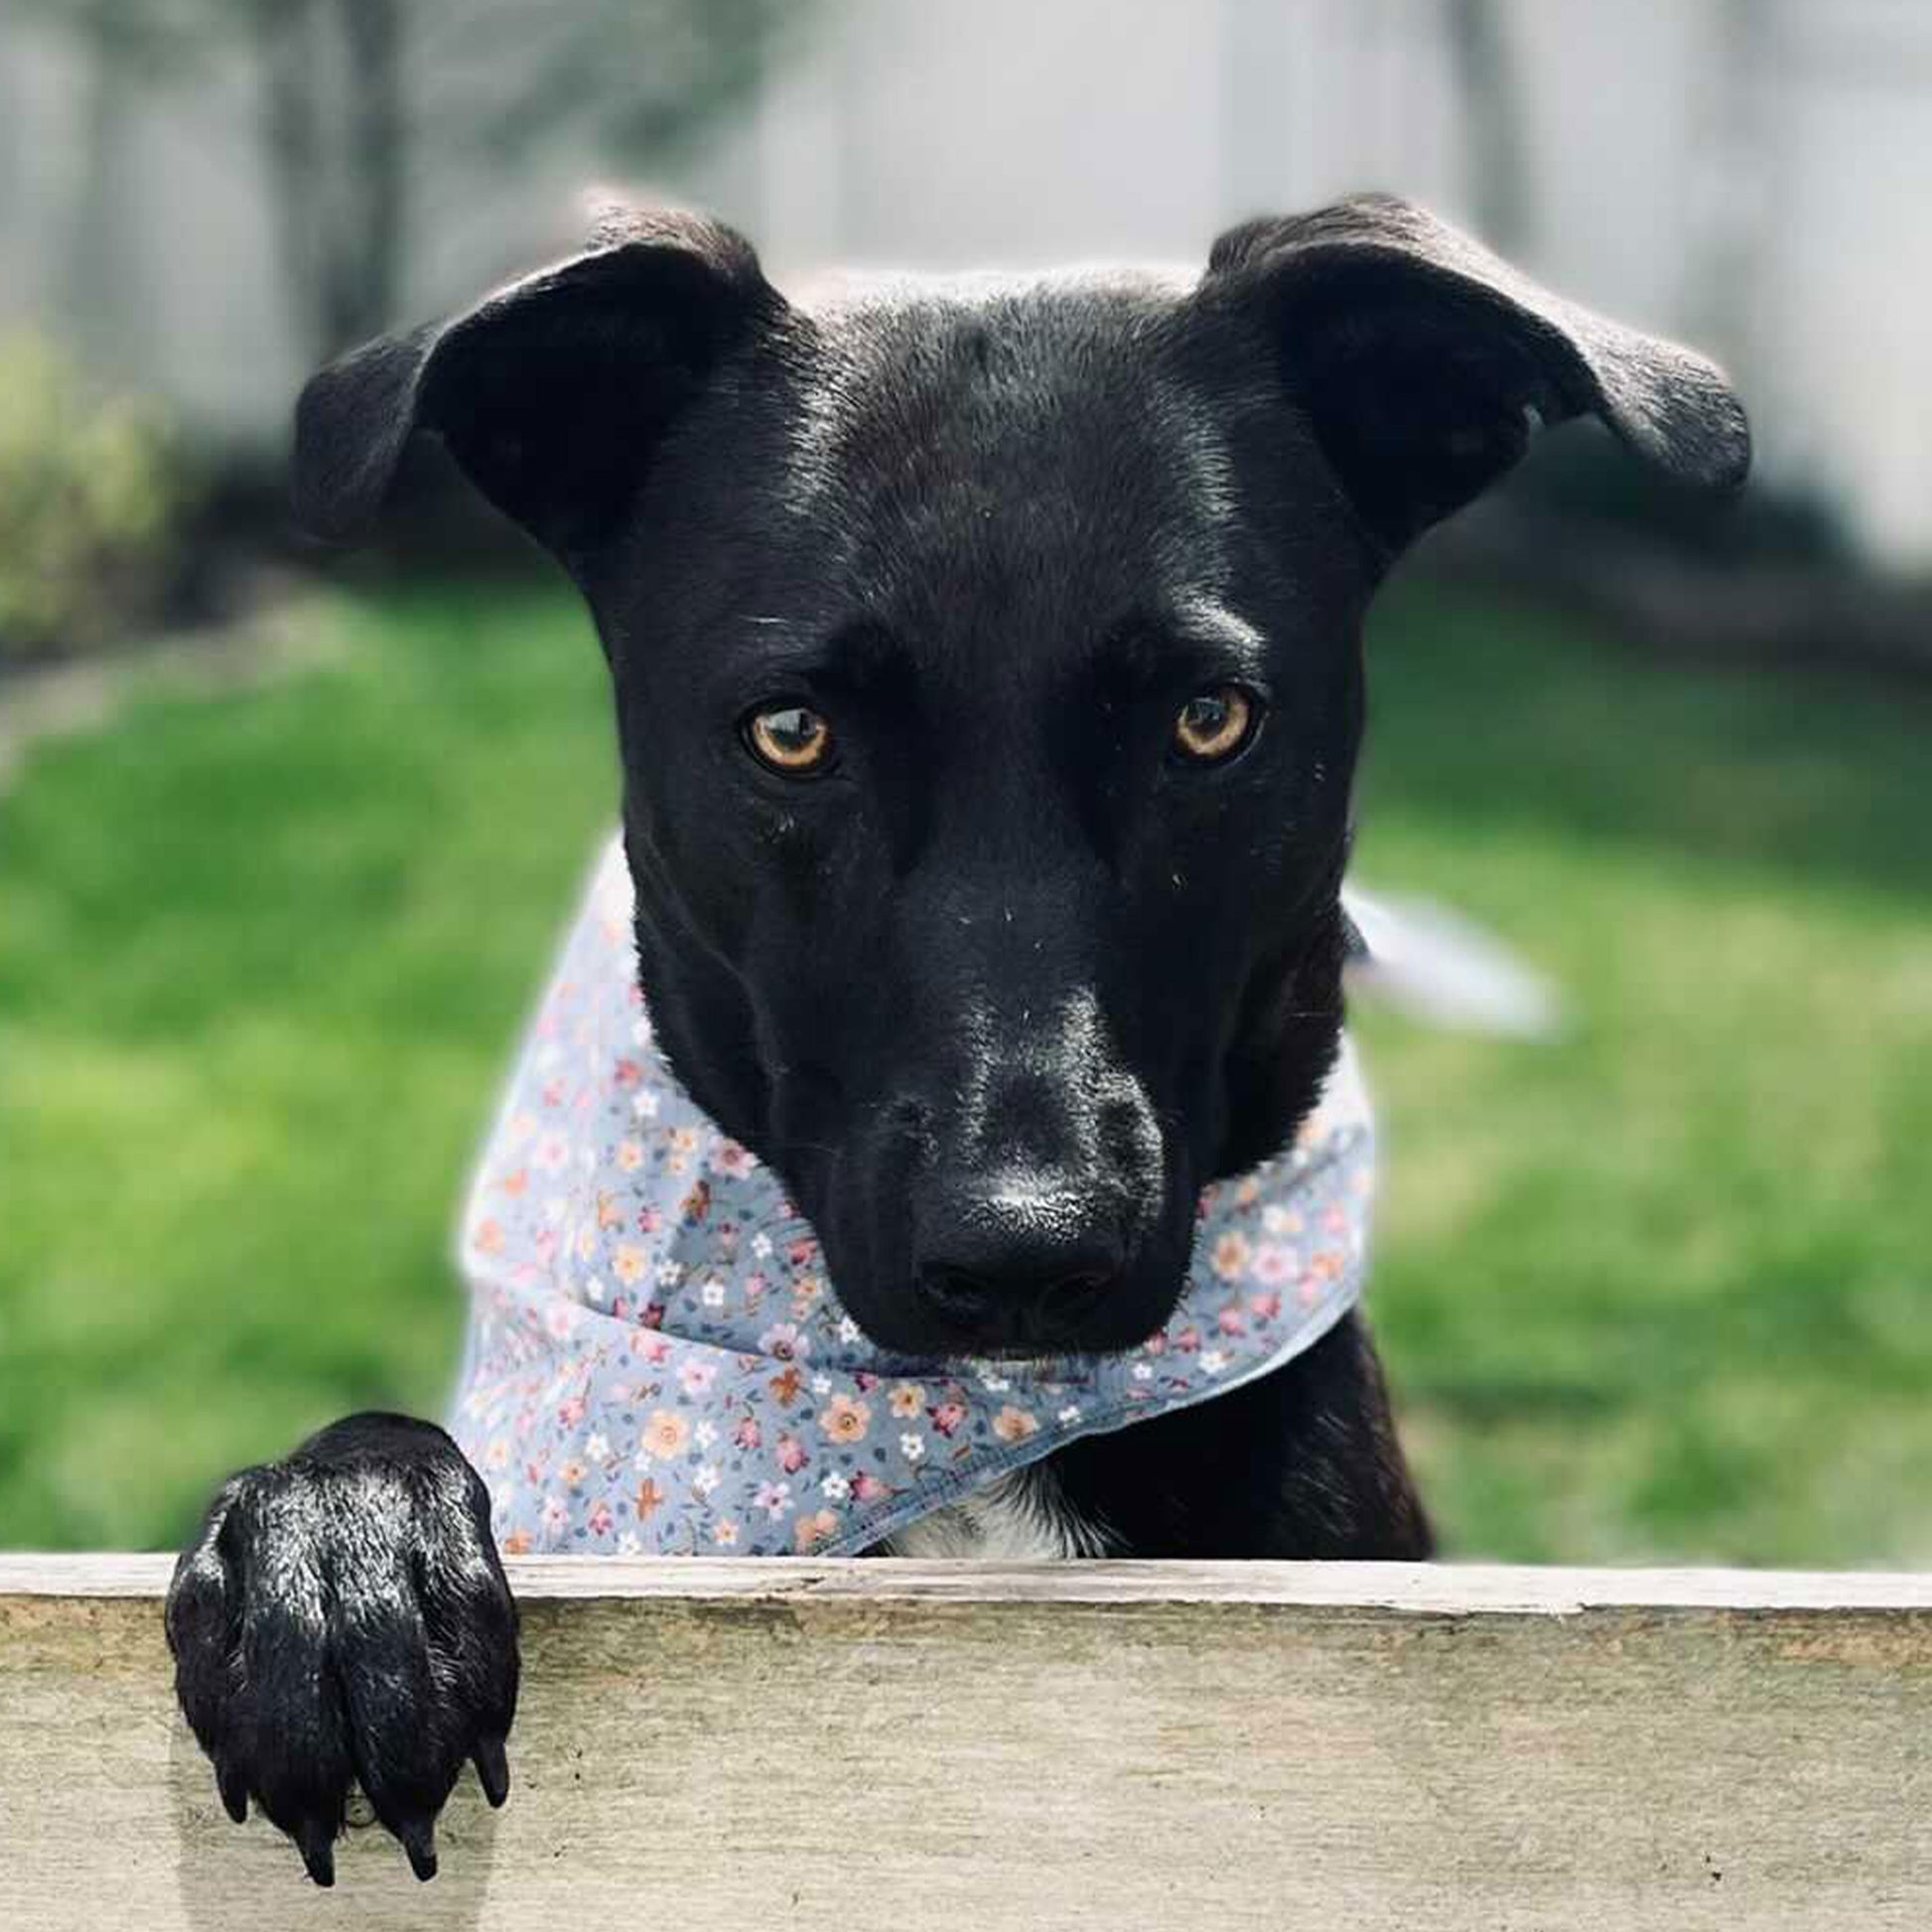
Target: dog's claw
point(492, 1769)
point(317, 1843)
point(418, 1837)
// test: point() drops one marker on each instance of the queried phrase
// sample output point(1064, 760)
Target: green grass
point(1660, 1288)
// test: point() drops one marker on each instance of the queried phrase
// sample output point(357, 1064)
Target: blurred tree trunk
point(1486, 80)
point(335, 140)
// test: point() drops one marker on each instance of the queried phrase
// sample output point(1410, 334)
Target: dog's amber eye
point(790, 739)
point(1214, 724)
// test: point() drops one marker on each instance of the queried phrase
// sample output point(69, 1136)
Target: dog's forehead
point(990, 434)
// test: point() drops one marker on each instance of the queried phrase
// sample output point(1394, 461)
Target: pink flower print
point(793, 1456)
point(784, 1341)
point(555, 1515)
point(631, 1156)
point(756, 1285)
point(570, 1411)
point(626, 1073)
point(730, 1158)
point(648, 1345)
point(1187, 1340)
point(599, 1519)
point(559, 1319)
point(694, 1378)
point(1264, 1308)
point(800, 1253)
point(774, 1498)
point(551, 1153)
point(907, 1400)
point(1230, 1321)
point(748, 1435)
point(868, 1489)
point(947, 1416)
point(649, 1220)
point(725, 1534)
point(1156, 1343)
point(808, 1531)
point(488, 1237)
point(1336, 1220)
point(653, 1317)
point(1274, 1265)
point(1013, 1424)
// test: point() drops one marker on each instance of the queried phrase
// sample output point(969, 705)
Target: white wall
point(1748, 173)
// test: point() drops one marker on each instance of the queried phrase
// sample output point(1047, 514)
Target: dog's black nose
point(1016, 1268)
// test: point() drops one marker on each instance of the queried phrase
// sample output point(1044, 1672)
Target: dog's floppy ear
point(549, 393)
point(1425, 363)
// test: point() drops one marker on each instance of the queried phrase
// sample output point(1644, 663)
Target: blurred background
point(286, 840)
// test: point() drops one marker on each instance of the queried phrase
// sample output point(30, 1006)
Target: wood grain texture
point(744, 1745)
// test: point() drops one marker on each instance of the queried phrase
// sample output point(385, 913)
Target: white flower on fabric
point(595, 1448)
point(671, 1273)
point(995, 1384)
point(774, 1498)
point(705, 1478)
point(705, 1433)
point(643, 1103)
point(712, 1294)
point(595, 1290)
point(761, 1246)
point(836, 1488)
point(912, 1447)
point(627, 1544)
point(821, 1385)
point(1071, 1413)
point(1213, 1360)
point(1143, 1371)
point(849, 1330)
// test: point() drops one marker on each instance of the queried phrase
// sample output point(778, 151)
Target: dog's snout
point(1020, 1264)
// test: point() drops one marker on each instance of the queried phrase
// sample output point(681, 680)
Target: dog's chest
point(1023, 1517)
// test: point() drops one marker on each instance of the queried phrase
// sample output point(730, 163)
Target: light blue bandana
point(658, 1363)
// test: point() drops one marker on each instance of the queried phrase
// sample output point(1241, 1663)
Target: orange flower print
point(845, 1420)
point(631, 1156)
point(724, 1534)
point(788, 1386)
point(906, 1401)
point(1013, 1424)
point(651, 1499)
point(1230, 1257)
point(808, 1531)
point(517, 1184)
point(697, 1203)
point(630, 1262)
point(488, 1238)
point(610, 1211)
point(665, 1434)
point(517, 1543)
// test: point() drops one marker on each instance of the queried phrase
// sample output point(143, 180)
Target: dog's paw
point(342, 1617)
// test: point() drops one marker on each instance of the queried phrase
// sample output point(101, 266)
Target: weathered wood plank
point(744, 1745)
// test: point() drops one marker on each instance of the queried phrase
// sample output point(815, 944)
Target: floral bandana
point(658, 1363)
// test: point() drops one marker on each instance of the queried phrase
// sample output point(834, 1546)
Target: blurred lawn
point(1660, 1289)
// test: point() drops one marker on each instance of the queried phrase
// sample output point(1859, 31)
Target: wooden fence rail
point(748, 1745)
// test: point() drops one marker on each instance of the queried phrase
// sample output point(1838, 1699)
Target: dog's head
point(989, 683)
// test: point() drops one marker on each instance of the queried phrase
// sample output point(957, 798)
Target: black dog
point(984, 652)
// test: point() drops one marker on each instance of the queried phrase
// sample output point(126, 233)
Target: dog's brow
point(1207, 620)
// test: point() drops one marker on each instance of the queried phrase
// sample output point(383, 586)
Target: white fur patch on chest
point(1019, 1518)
